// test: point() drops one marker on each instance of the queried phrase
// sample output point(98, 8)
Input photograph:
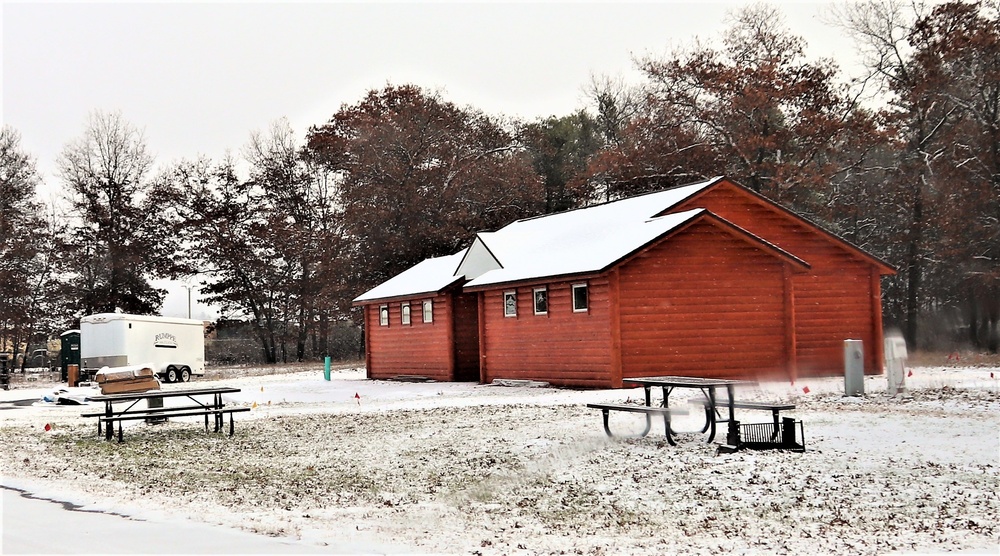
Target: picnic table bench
point(665, 412)
point(774, 407)
point(214, 408)
point(750, 435)
point(780, 433)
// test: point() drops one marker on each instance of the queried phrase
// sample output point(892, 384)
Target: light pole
point(188, 288)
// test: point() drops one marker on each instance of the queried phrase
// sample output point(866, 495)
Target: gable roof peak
point(677, 193)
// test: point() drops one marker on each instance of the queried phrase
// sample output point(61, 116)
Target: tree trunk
point(361, 347)
point(914, 274)
point(17, 350)
point(993, 331)
point(305, 317)
point(267, 346)
point(303, 335)
point(323, 347)
point(973, 319)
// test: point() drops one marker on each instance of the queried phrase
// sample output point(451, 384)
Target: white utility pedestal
point(895, 364)
point(854, 368)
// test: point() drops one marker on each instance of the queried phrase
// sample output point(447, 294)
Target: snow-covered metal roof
point(429, 276)
point(584, 240)
point(563, 246)
point(578, 241)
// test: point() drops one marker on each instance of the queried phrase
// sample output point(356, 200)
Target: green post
point(326, 368)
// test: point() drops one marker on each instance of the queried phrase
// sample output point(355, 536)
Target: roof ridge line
point(707, 183)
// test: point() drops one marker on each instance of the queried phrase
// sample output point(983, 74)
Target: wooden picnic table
point(707, 386)
point(215, 407)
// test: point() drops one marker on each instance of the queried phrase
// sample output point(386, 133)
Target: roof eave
point(360, 301)
point(884, 267)
point(570, 277)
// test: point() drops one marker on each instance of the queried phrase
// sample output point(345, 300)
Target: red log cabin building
point(708, 279)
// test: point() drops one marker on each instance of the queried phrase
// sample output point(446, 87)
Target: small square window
point(383, 315)
point(541, 301)
point(581, 302)
point(404, 311)
point(510, 304)
point(428, 310)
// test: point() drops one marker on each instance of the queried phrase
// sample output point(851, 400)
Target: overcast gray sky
point(199, 77)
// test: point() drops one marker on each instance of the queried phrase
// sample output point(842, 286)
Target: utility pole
point(188, 288)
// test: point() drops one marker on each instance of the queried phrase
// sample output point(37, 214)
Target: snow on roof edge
point(662, 225)
point(428, 276)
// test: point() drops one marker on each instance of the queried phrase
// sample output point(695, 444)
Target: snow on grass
point(464, 468)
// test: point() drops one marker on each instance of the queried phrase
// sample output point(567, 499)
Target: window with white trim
point(541, 297)
point(383, 315)
point(510, 304)
point(404, 312)
point(428, 310)
point(581, 299)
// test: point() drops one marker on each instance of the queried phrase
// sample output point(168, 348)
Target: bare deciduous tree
point(122, 233)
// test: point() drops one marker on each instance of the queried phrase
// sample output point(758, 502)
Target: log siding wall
point(833, 301)
point(562, 347)
point(703, 304)
point(418, 348)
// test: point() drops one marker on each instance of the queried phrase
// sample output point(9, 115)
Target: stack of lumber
point(119, 380)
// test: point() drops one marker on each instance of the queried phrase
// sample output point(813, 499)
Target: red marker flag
point(805, 389)
point(48, 427)
point(357, 397)
point(909, 374)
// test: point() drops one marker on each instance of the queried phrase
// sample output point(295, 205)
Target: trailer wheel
point(185, 374)
point(171, 374)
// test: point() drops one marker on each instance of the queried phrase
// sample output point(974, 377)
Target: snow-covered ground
point(379, 466)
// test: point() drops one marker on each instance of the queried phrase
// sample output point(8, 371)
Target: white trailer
point(173, 348)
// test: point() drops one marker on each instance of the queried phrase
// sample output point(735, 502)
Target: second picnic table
point(779, 434)
point(708, 387)
point(215, 407)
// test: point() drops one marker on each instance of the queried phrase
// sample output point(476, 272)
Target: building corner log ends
point(790, 339)
point(614, 307)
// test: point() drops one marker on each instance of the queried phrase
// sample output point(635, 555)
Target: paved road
point(33, 526)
